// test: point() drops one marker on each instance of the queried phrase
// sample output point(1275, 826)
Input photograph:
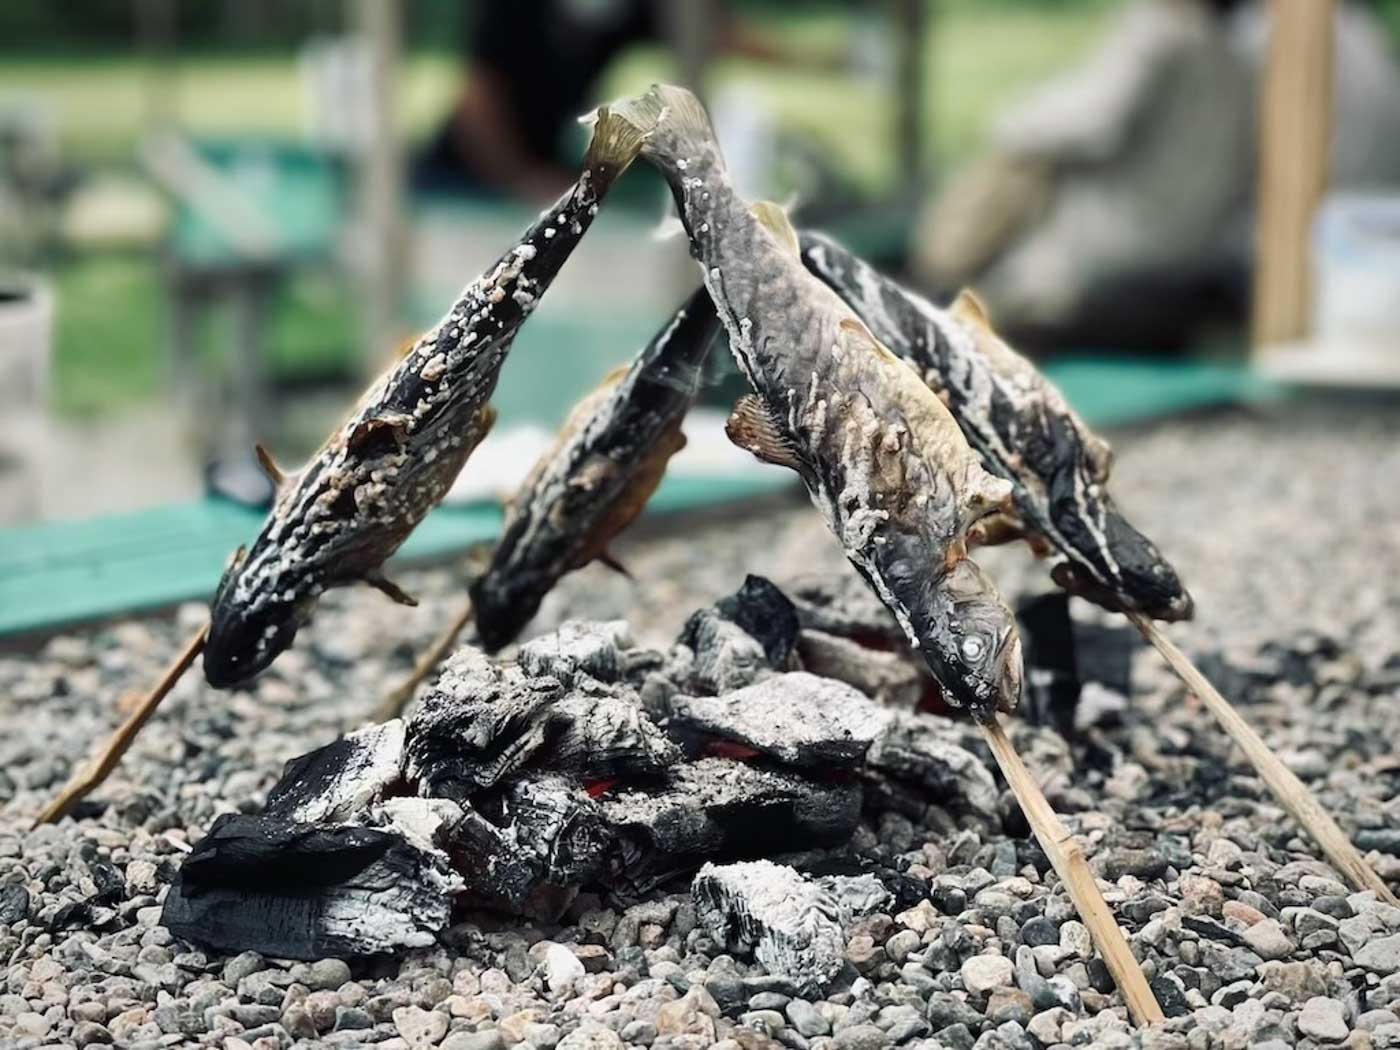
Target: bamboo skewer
point(395, 702)
point(1287, 788)
point(102, 763)
point(1067, 857)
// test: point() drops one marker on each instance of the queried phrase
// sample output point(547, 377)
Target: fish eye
point(973, 647)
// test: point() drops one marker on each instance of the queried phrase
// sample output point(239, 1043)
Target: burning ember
point(587, 764)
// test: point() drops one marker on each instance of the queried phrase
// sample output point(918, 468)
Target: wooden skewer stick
point(1067, 857)
point(395, 702)
point(1287, 788)
point(102, 763)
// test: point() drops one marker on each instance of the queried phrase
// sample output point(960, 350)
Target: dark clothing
point(545, 55)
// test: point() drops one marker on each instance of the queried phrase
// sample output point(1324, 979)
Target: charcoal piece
point(789, 924)
point(340, 781)
point(600, 735)
point(890, 678)
point(842, 604)
point(766, 614)
point(797, 718)
point(716, 807)
point(856, 895)
point(479, 723)
point(726, 656)
point(532, 848)
point(308, 891)
point(592, 649)
point(925, 750)
point(1052, 680)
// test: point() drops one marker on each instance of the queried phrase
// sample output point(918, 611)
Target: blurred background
point(219, 218)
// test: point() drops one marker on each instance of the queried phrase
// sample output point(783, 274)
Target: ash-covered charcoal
point(863, 882)
point(797, 718)
point(340, 781)
point(309, 891)
point(841, 604)
point(766, 614)
point(890, 678)
point(926, 750)
point(596, 735)
point(716, 807)
point(480, 722)
point(790, 924)
point(530, 847)
point(578, 647)
point(726, 656)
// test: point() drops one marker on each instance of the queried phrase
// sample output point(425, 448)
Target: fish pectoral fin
point(996, 529)
point(773, 219)
point(752, 426)
point(969, 308)
point(606, 558)
point(270, 467)
point(380, 582)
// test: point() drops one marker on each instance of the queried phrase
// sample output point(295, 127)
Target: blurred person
point(532, 67)
point(1114, 174)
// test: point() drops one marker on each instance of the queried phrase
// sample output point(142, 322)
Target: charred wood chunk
point(340, 781)
point(767, 615)
point(481, 722)
point(717, 807)
point(926, 751)
point(726, 656)
point(592, 649)
point(531, 848)
point(308, 891)
point(842, 604)
point(797, 718)
point(598, 735)
point(888, 677)
point(789, 924)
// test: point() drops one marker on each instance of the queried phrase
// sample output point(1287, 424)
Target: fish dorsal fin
point(270, 467)
point(751, 426)
point(969, 308)
point(773, 219)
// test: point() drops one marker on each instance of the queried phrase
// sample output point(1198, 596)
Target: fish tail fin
point(672, 122)
point(615, 144)
point(772, 218)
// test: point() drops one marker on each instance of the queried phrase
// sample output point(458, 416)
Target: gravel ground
point(1290, 546)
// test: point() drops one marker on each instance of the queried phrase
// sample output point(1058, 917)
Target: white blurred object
point(709, 453)
point(500, 463)
point(749, 132)
point(26, 340)
point(1356, 297)
point(337, 85)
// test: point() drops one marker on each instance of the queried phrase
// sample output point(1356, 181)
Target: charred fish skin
point(878, 453)
point(1022, 427)
point(598, 477)
point(337, 520)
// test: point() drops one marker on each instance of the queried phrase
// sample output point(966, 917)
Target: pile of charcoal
point(588, 765)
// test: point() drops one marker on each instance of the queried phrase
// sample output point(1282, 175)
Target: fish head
point(249, 627)
point(1141, 579)
point(978, 646)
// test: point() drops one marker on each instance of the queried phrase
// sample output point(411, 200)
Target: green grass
point(111, 322)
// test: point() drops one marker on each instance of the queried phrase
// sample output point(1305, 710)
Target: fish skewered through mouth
point(1024, 431)
point(879, 454)
point(337, 520)
point(592, 484)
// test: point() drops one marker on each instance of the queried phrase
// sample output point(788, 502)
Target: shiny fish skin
point(337, 520)
point(1024, 430)
point(597, 478)
point(881, 458)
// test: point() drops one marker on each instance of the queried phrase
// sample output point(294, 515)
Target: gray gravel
point(1289, 544)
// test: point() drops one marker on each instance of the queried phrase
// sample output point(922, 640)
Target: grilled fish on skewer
point(338, 519)
point(590, 485)
point(879, 454)
point(593, 483)
point(1025, 432)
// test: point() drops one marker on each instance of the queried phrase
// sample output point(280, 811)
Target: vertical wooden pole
point(381, 263)
point(690, 28)
point(1295, 116)
point(911, 82)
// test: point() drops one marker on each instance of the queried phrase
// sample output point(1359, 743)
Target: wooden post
point(1295, 145)
point(381, 236)
point(689, 27)
point(911, 82)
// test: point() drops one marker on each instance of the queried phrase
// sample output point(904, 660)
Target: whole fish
point(605, 465)
point(338, 519)
point(1025, 432)
point(881, 457)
